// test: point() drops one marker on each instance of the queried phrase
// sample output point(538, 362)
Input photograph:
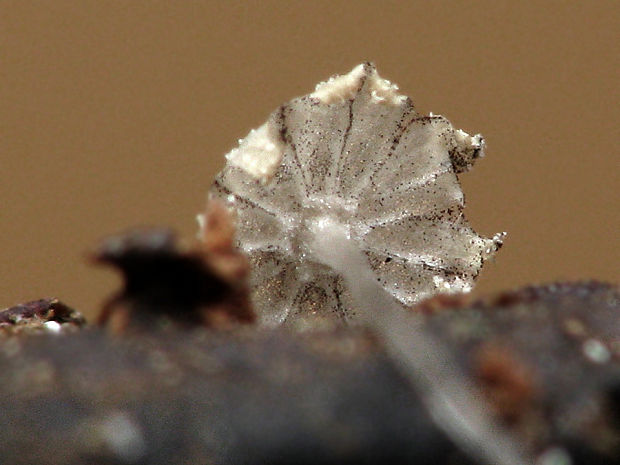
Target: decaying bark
point(547, 360)
point(168, 285)
point(39, 316)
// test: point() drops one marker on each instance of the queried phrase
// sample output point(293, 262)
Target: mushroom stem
point(451, 400)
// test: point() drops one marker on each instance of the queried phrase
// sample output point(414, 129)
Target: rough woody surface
point(546, 358)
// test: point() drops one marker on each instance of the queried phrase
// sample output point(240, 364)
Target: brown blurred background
point(118, 113)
